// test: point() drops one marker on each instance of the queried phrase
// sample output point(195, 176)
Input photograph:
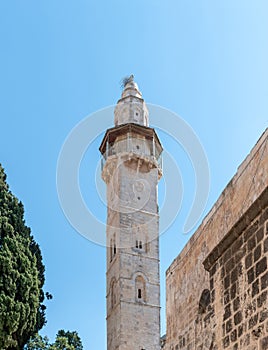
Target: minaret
point(131, 168)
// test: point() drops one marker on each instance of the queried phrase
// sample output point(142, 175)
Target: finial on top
point(127, 80)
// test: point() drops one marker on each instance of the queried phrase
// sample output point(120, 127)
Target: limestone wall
point(236, 313)
point(188, 283)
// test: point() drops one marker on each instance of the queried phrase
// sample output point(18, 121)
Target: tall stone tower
point(131, 168)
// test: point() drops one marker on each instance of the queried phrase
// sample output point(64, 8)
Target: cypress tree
point(22, 313)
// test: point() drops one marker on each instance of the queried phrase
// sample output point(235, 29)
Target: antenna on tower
point(126, 80)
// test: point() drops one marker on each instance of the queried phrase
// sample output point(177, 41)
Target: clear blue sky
point(63, 60)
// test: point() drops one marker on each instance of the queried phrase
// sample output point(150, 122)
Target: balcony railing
point(143, 148)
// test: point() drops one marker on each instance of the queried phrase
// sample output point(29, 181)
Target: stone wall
point(237, 305)
point(199, 313)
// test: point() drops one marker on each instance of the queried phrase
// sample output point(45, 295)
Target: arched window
point(140, 239)
point(139, 244)
point(140, 287)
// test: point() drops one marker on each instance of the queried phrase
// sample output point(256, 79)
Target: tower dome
point(131, 108)
point(131, 89)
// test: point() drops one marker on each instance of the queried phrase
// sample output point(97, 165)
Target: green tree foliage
point(22, 313)
point(37, 343)
point(64, 341)
point(67, 340)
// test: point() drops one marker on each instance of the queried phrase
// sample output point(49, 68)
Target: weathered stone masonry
point(237, 306)
point(217, 287)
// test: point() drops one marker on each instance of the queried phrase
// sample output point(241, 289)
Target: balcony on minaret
point(132, 141)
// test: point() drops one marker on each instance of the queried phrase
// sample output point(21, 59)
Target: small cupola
point(131, 107)
point(130, 88)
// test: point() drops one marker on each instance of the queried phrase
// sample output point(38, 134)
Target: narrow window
point(139, 293)
point(137, 244)
point(112, 248)
point(140, 289)
point(140, 245)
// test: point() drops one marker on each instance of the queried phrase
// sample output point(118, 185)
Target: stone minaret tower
point(131, 168)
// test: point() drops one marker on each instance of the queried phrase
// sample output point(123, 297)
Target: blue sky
point(63, 60)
